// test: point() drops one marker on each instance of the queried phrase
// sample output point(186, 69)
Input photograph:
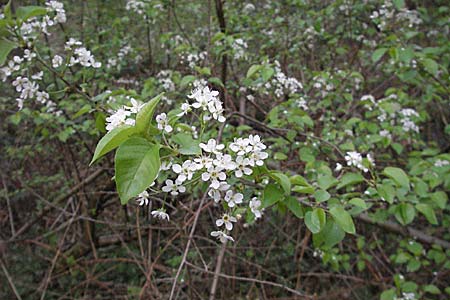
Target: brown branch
point(405, 231)
point(70, 193)
point(212, 294)
point(248, 279)
point(188, 245)
point(11, 283)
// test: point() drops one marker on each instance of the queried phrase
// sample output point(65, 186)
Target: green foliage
point(137, 164)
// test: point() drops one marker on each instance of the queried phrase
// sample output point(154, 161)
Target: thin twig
point(212, 294)
point(11, 283)
point(8, 204)
point(248, 279)
point(188, 245)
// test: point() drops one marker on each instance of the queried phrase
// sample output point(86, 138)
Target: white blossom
point(163, 123)
point(214, 175)
point(222, 236)
point(241, 167)
point(233, 198)
point(185, 171)
point(173, 188)
point(143, 198)
point(227, 220)
point(255, 205)
point(160, 214)
point(119, 118)
point(212, 146)
point(216, 194)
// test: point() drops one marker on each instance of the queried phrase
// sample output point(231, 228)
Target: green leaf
point(252, 70)
point(306, 155)
point(85, 109)
point(329, 236)
point(137, 165)
point(399, 4)
point(343, 219)
point(378, 54)
point(432, 289)
point(267, 72)
point(25, 12)
point(145, 115)
point(283, 180)
point(350, 179)
point(321, 196)
point(112, 140)
point(315, 220)
point(430, 65)
point(326, 181)
point(216, 81)
point(186, 80)
point(428, 212)
point(388, 295)
point(294, 206)
point(358, 202)
point(303, 189)
point(188, 146)
point(440, 199)
point(280, 156)
point(386, 191)
point(272, 194)
point(405, 213)
point(398, 175)
point(6, 46)
point(298, 180)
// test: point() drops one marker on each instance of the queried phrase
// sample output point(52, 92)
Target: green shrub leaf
point(137, 164)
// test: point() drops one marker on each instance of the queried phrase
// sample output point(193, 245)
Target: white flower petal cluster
point(208, 101)
point(226, 220)
point(255, 207)
point(388, 14)
point(160, 214)
point(215, 165)
point(193, 59)
point(124, 115)
point(239, 46)
point(441, 163)
point(280, 83)
point(163, 123)
point(406, 116)
point(222, 236)
point(174, 188)
point(29, 89)
point(385, 133)
point(164, 78)
point(143, 198)
point(355, 159)
point(58, 8)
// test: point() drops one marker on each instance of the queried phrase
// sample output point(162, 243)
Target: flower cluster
point(207, 100)
point(405, 119)
point(193, 59)
point(387, 13)
point(217, 165)
point(405, 116)
point(78, 55)
point(441, 163)
point(281, 84)
point(239, 46)
point(34, 26)
point(355, 159)
point(136, 6)
point(58, 8)
point(164, 77)
point(124, 115)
